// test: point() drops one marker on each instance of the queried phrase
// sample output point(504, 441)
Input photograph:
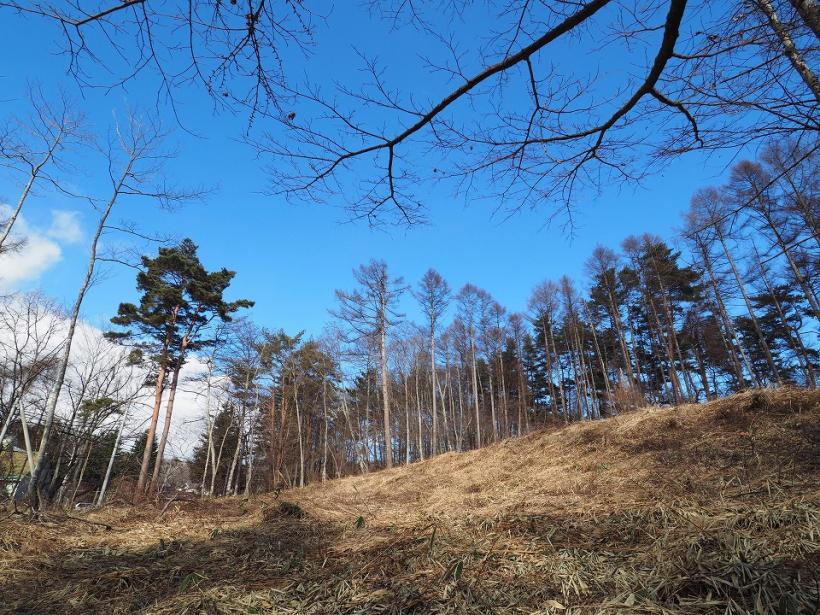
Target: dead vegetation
point(698, 509)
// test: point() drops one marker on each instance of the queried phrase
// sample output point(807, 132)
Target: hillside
point(698, 509)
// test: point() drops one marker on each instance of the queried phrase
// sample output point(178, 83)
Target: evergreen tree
point(180, 299)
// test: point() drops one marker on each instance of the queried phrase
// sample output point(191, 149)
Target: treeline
point(730, 303)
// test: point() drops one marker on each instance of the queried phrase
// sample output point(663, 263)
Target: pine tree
point(180, 299)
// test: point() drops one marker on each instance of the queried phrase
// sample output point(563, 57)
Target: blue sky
point(289, 258)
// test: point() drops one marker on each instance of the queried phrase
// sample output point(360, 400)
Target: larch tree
point(369, 311)
point(473, 303)
point(433, 295)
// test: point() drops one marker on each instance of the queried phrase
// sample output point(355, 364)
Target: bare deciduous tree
point(34, 150)
point(133, 155)
point(433, 295)
point(370, 311)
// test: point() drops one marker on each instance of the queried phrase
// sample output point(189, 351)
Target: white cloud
point(41, 249)
point(65, 226)
point(90, 350)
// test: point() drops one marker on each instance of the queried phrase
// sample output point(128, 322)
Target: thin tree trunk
point(356, 438)
point(561, 393)
point(801, 280)
point(324, 444)
point(33, 175)
point(419, 412)
point(448, 393)
point(433, 376)
point(209, 461)
point(249, 475)
point(388, 439)
point(406, 420)
point(7, 424)
point(790, 49)
point(240, 428)
point(794, 338)
point(218, 460)
point(26, 437)
point(601, 360)
point(110, 467)
point(548, 357)
point(460, 433)
point(727, 321)
point(493, 417)
point(619, 328)
point(504, 408)
point(299, 433)
point(62, 366)
point(82, 472)
point(755, 323)
point(475, 391)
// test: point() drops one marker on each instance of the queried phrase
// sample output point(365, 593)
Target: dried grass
point(698, 509)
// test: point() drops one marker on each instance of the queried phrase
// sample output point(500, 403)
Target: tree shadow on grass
point(124, 579)
point(517, 564)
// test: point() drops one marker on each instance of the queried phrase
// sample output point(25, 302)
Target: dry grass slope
point(699, 509)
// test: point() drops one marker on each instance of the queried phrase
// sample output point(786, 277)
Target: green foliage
point(179, 301)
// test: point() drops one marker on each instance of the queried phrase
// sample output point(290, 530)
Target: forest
point(405, 306)
point(728, 304)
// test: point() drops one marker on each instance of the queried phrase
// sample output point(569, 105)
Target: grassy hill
point(709, 508)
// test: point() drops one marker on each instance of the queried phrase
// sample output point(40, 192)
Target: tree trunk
point(235, 460)
point(475, 391)
point(789, 48)
point(152, 430)
point(166, 427)
point(26, 437)
point(249, 475)
point(62, 366)
point(808, 11)
point(7, 424)
point(110, 467)
point(324, 442)
point(727, 321)
point(419, 413)
point(794, 338)
point(82, 472)
point(35, 172)
point(548, 357)
point(434, 436)
point(388, 438)
point(755, 323)
point(218, 461)
point(504, 408)
point(299, 433)
point(801, 280)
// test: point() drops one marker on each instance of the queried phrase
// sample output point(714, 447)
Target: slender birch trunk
point(110, 467)
point(62, 366)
